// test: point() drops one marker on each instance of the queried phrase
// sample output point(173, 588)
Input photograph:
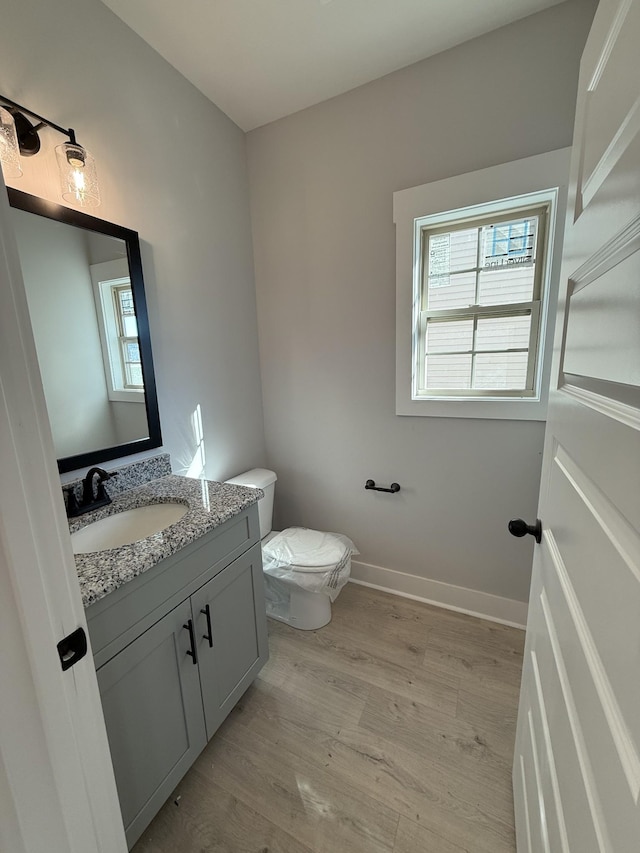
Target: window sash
point(127, 362)
point(521, 309)
point(541, 212)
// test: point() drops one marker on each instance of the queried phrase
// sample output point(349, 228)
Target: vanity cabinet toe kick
point(175, 649)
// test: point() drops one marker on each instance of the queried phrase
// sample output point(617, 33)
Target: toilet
point(304, 570)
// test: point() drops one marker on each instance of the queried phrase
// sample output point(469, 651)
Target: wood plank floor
point(390, 730)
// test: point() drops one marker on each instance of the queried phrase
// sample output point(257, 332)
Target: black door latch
point(518, 527)
point(72, 649)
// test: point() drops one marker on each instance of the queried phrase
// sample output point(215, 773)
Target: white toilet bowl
point(304, 570)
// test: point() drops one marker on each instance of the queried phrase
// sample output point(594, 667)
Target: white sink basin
point(126, 527)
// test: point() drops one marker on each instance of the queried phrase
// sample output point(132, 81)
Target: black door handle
point(209, 635)
point(192, 640)
point(518, 527)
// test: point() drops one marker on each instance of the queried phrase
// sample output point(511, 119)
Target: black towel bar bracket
point(393, 488)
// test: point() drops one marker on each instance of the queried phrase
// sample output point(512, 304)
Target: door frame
point(56, 778)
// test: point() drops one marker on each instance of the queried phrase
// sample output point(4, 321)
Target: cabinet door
point(153, 712)
point(238, 649)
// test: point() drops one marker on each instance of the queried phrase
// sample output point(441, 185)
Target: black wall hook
point(370, 484)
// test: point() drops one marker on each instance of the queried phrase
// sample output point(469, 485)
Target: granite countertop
point(210, 505)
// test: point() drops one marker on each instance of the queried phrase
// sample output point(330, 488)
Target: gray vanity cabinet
point(164, 698)
point(153, 713)
point(232, 635)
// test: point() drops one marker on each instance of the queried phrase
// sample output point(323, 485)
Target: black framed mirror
point(85, 290)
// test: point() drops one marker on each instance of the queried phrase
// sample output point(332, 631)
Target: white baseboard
point(493, 607)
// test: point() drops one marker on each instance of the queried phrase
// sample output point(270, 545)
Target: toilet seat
point(305, 550)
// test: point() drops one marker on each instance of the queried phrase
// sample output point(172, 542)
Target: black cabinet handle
point(518, 527)
point(192, 640)
point(209, 635)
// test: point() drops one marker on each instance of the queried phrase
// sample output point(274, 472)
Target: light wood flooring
point(388, 731)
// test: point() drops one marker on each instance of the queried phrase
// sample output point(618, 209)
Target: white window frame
point(543, 180)
point(105, 277)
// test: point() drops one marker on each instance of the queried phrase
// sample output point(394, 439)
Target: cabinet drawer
point(118, 618)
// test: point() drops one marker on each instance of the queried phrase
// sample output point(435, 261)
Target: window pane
point(125, 297)
point(500, 370)
point(134, 375)
point(132, 351)
point(450, 336)
point(448, 371)
point(498, 333)
point(130, 326)
point(497, 286)
point(511, 243)
point(451, 252)
point(451, 291)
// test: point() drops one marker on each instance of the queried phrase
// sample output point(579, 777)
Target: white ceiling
point(260, 60)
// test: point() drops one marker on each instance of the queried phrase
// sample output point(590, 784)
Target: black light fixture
point(19, 137)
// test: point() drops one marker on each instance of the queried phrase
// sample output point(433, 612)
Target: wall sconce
point(19, 137)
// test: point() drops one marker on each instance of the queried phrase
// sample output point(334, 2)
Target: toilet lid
point(306, 550)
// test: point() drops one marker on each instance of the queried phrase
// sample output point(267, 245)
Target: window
point(118, 327)
point(478, 320)
point(477, 271)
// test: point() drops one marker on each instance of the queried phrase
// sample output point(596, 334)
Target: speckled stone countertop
point(210, 505)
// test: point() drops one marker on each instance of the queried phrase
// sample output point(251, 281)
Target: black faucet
point(90, 500)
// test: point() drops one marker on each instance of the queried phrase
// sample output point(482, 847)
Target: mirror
point(84, 286)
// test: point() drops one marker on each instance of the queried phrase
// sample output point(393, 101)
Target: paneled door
point(577, 762)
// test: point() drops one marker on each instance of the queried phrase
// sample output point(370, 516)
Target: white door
point(577, 761)
point(57, 791)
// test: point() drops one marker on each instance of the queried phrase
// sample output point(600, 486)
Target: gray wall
point(321, 195)
point(173, 168)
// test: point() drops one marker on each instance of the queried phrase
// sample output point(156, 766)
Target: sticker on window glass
point(439, 260)
point(509, 244)
point(133, 351)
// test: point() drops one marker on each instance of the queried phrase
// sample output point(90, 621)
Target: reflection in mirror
point(83, 280)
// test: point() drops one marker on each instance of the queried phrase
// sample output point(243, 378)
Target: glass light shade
point(9, 150)
point(78, 175)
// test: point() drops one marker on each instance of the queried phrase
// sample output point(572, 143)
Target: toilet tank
point(260, 478)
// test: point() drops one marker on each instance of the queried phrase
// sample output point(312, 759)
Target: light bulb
point(78, 176)
point(78, 181)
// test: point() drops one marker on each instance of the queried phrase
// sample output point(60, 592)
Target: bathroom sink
point(124, 528)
